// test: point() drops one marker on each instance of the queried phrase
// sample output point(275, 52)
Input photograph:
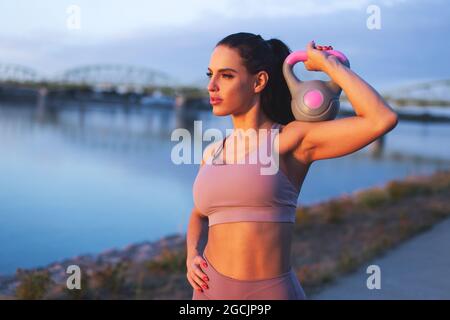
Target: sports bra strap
point(217, 152)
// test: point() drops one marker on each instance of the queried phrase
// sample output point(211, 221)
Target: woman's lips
point(215, 101)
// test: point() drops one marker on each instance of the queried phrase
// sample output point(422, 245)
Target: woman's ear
point(261, 80)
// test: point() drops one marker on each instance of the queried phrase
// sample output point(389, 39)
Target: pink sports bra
point(233, 192)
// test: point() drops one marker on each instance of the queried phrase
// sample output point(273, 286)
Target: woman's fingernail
point(204, 264)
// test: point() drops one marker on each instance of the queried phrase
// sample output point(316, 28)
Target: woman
point(240, 229)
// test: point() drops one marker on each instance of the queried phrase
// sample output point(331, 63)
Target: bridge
point(432, 91)
point(110, 75)
point(95, 76)
point(105, 83)
point(17, 73)
point(126, 83)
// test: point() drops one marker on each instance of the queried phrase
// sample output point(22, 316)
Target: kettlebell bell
point(314, 100)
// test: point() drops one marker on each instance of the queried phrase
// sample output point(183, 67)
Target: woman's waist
point(250, 250)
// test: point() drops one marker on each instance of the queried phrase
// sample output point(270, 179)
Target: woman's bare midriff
point(250, 250)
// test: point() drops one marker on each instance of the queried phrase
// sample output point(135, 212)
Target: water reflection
point(80, 178)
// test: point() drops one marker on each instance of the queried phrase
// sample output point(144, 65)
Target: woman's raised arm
point(312, 141)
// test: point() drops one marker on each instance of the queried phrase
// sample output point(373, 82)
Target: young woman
point(240, 229)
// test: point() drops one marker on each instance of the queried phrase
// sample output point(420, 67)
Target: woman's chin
point(217, 111)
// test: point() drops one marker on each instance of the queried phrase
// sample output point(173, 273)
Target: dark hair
point(258, 55)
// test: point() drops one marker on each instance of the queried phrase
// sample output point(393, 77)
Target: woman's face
point(230, 83)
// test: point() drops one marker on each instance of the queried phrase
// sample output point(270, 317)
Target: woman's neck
point(252, 119)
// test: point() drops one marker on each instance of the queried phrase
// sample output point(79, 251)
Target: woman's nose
point(212, 86)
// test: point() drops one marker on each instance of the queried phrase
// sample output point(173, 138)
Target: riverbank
point(331, 239)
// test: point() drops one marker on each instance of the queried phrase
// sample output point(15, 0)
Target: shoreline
point(353, 229)
point(135, 252)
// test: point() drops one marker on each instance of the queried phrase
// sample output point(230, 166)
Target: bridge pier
point(42, 94)
point(377, 147)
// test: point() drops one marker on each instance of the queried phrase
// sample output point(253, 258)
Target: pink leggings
point(221, 287)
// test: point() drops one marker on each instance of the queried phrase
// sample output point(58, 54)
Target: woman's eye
point(228, 76)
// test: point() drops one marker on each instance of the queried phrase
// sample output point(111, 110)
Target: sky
point(177, 37)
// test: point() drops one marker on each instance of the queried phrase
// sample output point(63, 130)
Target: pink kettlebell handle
point(301, 55)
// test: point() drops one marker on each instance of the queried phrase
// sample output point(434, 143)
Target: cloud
point(409, 45)
point(106, 18)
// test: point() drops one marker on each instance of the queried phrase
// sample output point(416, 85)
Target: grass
point(33, 284)
point(169, 261)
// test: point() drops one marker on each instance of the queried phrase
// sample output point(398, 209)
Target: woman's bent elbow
point(388, 123)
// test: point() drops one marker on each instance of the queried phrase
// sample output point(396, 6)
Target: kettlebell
point(314, 100)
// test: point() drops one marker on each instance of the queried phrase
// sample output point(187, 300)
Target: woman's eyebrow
point(224, 69)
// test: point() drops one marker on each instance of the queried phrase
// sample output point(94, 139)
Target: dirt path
point(416, 269)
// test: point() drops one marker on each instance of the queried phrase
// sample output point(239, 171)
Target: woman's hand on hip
point(195, 275)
